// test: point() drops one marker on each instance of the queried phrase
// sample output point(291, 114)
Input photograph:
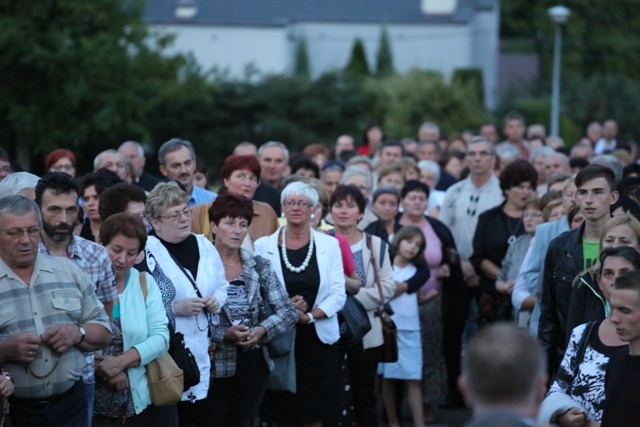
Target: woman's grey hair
point(164, 195)
point(430, 166)
point(352, 171)
point(19, 206)
point(355, 160)
point(386, 190)
point(610, 161)
point(15, 183)
point(541, 151)
point(507, 152)
point(300, 189)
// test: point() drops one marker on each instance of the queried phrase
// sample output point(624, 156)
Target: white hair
point(15, 183)
point(354, 170)
point(299, 188)
point(431, 166)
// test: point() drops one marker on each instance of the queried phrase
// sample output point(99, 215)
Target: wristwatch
point(311, 318)
point(83, 333)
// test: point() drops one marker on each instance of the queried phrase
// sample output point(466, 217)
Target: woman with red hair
point(240, 175)
point(61, 160)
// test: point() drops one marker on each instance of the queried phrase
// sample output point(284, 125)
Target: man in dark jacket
point(569, 254)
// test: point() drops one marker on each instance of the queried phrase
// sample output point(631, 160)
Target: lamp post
point(559, 15)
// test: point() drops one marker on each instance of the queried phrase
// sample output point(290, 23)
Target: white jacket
point(331, 291)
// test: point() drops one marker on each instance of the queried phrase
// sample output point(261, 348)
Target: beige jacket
point(369, 295)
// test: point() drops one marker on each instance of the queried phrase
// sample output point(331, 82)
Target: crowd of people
point(522, 252)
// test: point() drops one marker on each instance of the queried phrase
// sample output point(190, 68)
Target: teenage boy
point(622, 382)
point(569, 254)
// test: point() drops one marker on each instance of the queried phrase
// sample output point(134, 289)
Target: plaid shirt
point(285, 316)
point(94, 260)
point(59, 294)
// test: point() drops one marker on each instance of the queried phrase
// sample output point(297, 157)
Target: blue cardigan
point(147, 333)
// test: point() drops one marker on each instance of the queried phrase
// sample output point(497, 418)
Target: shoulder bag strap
point(582, 348)
point(188, 276)
point(195, 287)
point(143, 285)
point(376, 276)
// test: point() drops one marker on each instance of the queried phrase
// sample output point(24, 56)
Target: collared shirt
point(94, 260)
point(462, 206)
point(59, 293)
point(200, 195)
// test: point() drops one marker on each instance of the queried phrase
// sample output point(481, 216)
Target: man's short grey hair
point(301, 189)
point(19, 206)
point(503, 365)
point(18, 182)
point(507, 152)
point(352, 171)
point(611, 162)
point(173, 145)
point(429, 125)
point(274, 144)
point(133, 144)
point(541, 151)
point(431, 166)
point(562, 156)
point(96, 160)
point(355, 160)
point(479, 139)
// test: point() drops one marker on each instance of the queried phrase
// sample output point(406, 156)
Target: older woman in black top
point(498, 228)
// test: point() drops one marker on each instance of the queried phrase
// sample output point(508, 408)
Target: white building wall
point(486, 50)
point(436, 47)
point(233, 49)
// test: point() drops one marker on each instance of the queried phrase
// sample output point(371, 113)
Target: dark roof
point(284, 12)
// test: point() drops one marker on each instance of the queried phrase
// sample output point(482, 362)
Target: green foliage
point(358, 65)
point(469, 80)
point(384, 58)
point(402, 103)
point(596, 36)
point(301, 66)
point(73, 72)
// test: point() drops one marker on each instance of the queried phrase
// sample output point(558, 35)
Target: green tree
point(384, 58)
point(301, 67)
point(76, 74)
point(358, 65)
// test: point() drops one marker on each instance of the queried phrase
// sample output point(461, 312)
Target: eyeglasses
point(6, 169)
point(16, 233)
point(301, 203)
point(176, 215)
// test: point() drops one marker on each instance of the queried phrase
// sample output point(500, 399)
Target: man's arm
point(62, 337)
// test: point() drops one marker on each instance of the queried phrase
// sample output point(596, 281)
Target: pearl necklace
point(285, 258)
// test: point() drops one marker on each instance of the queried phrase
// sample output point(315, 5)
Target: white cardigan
point(331, 291)
point(211, 281)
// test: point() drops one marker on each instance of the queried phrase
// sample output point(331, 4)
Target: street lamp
point(559, 15)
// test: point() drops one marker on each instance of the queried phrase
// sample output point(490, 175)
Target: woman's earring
point(313, 216)
point(282, 214)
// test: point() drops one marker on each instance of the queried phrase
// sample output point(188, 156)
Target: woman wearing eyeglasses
point(309, 264)
point(190, 275)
